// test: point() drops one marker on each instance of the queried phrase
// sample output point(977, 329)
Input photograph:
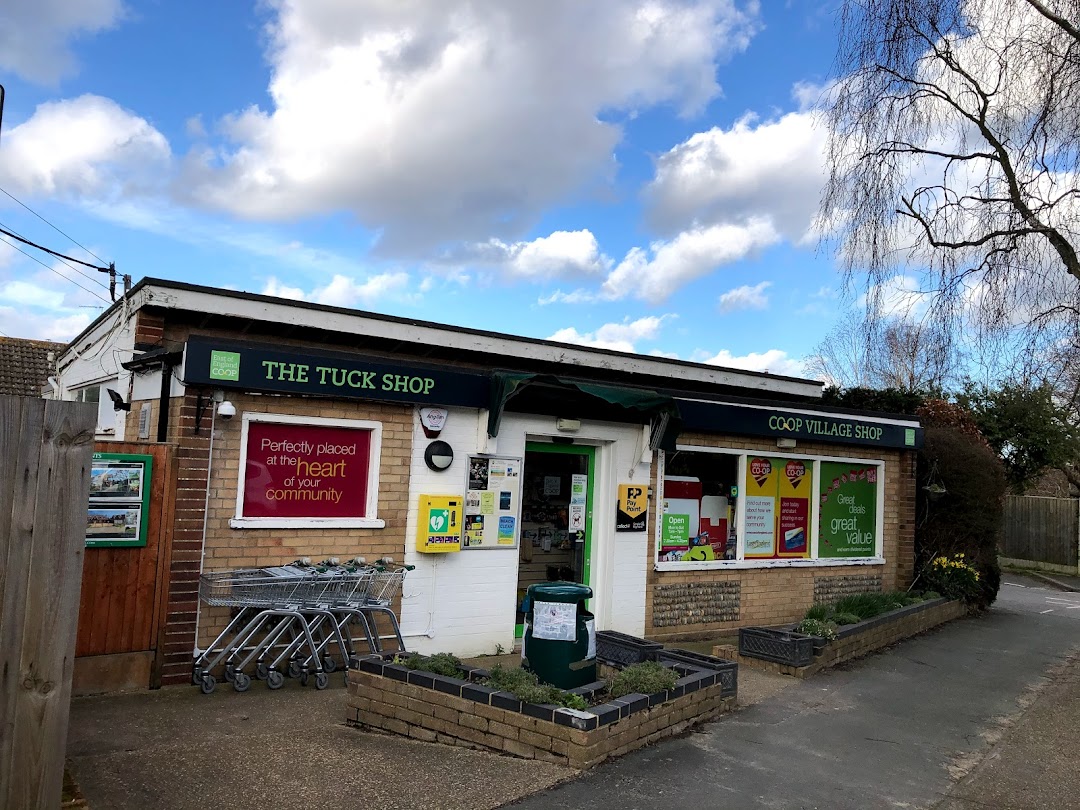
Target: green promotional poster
point(848, 512)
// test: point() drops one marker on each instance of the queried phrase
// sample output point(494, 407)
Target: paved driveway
point(897, 730)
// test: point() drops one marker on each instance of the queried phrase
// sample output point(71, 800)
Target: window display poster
point(759, 504)
point(848, 510)
point(305, 471)
point(491, 502)
point(119, 500)
point(579, 488)
point(794, 481)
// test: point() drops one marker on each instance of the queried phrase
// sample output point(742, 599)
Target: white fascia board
point(508, 346)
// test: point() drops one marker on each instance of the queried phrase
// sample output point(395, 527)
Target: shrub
point(525, 686)
point(820, 611)
point(956, 578)
point(816, 627)
point(846, 618)
point(438, 664)
point(646, 678)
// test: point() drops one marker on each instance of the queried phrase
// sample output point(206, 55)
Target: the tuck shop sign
point(259, 367)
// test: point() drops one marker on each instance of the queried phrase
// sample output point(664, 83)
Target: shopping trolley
point(287, 618)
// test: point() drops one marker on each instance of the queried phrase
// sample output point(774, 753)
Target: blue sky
point(636, 174)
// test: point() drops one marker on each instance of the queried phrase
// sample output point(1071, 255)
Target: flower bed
point(861, 638)
point(462, 711)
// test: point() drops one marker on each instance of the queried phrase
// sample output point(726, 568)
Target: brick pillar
point(193, 457)
point(905, 562)
point(149, 329)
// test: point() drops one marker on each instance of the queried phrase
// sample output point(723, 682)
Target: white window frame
point(369, 521)
point(740, 563)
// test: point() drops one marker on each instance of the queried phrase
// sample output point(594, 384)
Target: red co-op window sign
point(306, 471)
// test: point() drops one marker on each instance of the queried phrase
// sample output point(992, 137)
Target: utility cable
point(72, 267)
point(39, 216)
point(53, 269)
point(54, 253)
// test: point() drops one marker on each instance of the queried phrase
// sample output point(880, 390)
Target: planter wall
point(456, 711)
point(857, 640)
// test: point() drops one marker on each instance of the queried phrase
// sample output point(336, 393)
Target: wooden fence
point(1042, 530)
point(45, 456)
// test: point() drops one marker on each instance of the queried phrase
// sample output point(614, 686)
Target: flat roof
point(183, 296)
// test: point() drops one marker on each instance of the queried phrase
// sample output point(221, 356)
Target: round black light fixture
point(438, 456)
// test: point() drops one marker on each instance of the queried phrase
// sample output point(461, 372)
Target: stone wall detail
point(694, 603)
point(833, 589)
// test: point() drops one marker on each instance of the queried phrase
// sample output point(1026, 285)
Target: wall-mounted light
point(786, 444)
point(568, 425)
point(118, 403)
point(438, 456)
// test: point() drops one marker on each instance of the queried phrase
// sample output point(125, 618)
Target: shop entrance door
point(556, 517)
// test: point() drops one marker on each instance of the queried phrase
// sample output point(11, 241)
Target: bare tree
point(954, 152)
point(899, 353)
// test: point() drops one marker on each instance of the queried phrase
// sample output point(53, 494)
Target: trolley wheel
point(322, 680)
point(304, 678)
point(261, 670)
point(230, 670)
point(274, 679)
point(208, 684)
point(294, 669)
point(329, 664)
point(196, 675)
point(241, 681)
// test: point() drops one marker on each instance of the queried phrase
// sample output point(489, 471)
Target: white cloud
point(345, 291)
point(34, 34)
point(462, 119)
point(87, 147)
point(688, 256)
point(30, 295)
point(772, 171)
point(578, 296)
point(745, 297)
point(900, 296)
point(563, 253)
point(774, 361)
point(620, 337)
point(42, 305)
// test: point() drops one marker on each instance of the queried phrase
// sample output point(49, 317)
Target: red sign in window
point(306, 471)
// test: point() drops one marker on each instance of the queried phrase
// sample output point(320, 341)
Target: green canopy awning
point(647, 405)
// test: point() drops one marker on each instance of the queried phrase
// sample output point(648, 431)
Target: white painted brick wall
point(464, 602)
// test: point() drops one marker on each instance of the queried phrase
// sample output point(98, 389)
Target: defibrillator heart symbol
point(437, 522)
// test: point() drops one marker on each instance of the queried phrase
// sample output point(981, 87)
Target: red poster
point(306, 471)
point(794, 526)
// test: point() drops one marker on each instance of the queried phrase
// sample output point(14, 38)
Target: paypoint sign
point(260, 367)
point(632, 513)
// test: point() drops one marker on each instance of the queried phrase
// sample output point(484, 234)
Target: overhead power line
point(39, 216)
point(53, 269)
point(69, 265)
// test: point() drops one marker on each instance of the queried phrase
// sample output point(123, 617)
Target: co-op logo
point(788, 423)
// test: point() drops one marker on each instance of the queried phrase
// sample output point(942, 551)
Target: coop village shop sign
point(258, 367)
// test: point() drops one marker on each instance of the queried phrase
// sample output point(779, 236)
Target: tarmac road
point(983, 713)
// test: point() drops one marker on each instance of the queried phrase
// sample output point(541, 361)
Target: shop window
point(722, 506)
point(306, 471)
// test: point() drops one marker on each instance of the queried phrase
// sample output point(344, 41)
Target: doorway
point(556, 517)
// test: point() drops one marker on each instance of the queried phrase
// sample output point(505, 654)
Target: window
point(730, 508)
point(306, 471)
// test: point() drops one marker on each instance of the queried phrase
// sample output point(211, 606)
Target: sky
point(637, 175)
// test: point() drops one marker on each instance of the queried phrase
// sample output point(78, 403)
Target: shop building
point(691, 498)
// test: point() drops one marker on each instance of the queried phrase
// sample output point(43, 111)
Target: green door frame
point(572, 450)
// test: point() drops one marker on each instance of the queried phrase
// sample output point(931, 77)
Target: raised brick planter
point(857, 640)
point(459, 711)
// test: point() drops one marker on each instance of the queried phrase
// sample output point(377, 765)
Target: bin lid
point(559, 592)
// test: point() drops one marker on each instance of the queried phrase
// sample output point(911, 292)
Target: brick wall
point(149, 328)
point(777, 595)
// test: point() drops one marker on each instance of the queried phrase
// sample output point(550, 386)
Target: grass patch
point(646, 678)
point(861, 606)
point(525, 686)
point(438, 664)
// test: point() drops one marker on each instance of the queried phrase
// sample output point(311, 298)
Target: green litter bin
point(559, 643)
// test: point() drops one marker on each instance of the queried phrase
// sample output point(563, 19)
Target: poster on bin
point(848, 510)
point(305, 471)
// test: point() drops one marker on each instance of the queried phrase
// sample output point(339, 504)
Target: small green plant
point(816, 627)
point(953, 577)
point(438, 664)
point(526, 686)
point(820, 611)
point(500, 649)
point(843, 619)
point(646, 678)
point(931, 595)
